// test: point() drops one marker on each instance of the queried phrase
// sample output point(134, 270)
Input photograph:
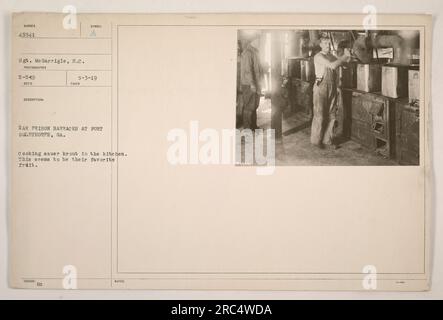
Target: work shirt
point(321, 61)
point(250, 72)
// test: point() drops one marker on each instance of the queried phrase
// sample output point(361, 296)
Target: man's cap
point(324, 36)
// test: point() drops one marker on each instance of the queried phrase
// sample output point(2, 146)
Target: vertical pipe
point(295, 43)
point(276, 108)
point(314, 38)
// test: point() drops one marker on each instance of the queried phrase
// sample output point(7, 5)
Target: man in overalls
point(325, 95)
point(250, 78)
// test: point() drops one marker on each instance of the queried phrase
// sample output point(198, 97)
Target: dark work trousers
point(325, 108)
point(251, 101)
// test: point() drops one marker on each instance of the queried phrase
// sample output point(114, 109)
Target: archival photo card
point(220, 151)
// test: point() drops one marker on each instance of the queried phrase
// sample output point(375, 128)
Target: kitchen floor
point(295, 148)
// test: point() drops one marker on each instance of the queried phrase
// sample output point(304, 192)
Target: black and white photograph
point(331, 97)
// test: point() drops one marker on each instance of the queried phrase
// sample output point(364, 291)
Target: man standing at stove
point(325, 95)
